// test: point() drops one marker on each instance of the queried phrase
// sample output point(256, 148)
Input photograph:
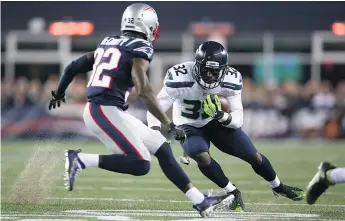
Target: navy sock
point(171, 168)
point(124, 164)
point(265, 169)
point(215, 173)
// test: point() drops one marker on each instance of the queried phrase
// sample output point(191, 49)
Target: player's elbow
point(238, 124)
point(144, 92)
point(237, 119)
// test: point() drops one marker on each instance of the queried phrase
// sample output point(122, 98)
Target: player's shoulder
point(180, 75)
point(140, 48)
point(137, 47)
point(232, 79)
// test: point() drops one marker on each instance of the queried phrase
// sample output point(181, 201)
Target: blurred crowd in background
point(313, 109)
point(268, 46)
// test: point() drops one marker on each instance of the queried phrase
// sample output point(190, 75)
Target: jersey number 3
point(104, 81)
point(194, 110)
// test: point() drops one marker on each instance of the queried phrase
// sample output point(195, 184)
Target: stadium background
point(293, 66)
point(291, 56)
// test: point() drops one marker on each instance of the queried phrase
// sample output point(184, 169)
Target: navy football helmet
point(211, 62)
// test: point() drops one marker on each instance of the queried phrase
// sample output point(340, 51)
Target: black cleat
point(237, 205)
point(319, 184)
point(294, 193)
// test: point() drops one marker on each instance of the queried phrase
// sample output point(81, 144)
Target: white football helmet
point(141, 18)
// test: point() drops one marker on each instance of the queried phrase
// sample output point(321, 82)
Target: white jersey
point(186, 95)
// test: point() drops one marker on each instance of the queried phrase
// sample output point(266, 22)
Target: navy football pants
point(231, 141)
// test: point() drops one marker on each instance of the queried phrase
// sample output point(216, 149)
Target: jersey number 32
point(97, 79)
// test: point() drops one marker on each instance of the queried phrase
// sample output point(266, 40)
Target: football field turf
point(32, 185)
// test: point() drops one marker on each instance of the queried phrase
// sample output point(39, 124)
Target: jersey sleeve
point(232, 84)
point(232, 90)
point(170, 85)
point(236, 107)
point(142, 49)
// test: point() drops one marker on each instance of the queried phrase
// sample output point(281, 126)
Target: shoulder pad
point(232, 79)
point(140, 48)
point(178, 76)
point(180, 71)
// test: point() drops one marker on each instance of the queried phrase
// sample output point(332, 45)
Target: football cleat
point(73, 166)
point(319, 184)
point(293, 193)
point(211, 203)
point(237, 205)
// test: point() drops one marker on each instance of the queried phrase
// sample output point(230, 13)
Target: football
point(225, 104)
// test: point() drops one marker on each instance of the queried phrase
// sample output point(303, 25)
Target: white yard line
point(126, 215)
point(165, 181)
point(183, 201)
point(162, 189)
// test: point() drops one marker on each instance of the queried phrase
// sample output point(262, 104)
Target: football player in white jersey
point(192, 88)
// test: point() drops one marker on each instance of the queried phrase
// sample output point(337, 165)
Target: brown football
point(225, 104)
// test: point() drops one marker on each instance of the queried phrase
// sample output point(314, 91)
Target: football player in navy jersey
point(118, 64)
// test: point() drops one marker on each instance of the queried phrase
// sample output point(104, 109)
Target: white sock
point(275, 183)
point(195, 195)
point(337, 175)
point(229, 188)
point(89, 160)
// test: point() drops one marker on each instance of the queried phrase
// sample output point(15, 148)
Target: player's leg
point(109, 124)
point(326, 176)
point(197, 147)
point(158, 146)
point(238, 144)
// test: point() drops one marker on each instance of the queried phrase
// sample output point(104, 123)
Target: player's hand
point(212, 106)
point(185, 159)
point(56, 100)
point(177, 133)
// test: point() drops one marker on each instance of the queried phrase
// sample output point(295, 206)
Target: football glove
point(177, 133)
point(212, 107)
point(57, 98)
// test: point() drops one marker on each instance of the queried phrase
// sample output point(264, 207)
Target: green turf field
point(32, 186)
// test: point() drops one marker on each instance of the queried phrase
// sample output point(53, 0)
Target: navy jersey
point(111, 78)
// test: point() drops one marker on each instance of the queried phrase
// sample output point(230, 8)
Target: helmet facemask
point(209, 76)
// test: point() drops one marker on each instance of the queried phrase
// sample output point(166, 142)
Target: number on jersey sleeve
point(97, 79)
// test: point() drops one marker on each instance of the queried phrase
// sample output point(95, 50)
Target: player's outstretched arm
point(80, 65)
point(145, 92)
point(165, 102)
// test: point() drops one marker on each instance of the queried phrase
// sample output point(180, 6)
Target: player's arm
point(232, 90)
point(165, 101)
point(80, 65)
point(234, 119)
point(144, 90)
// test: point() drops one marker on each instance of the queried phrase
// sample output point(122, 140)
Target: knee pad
point(203, 159)
point(164, 152)
point(259, 157)
point(143, 168)
point(256, 159)
point(195, 145)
